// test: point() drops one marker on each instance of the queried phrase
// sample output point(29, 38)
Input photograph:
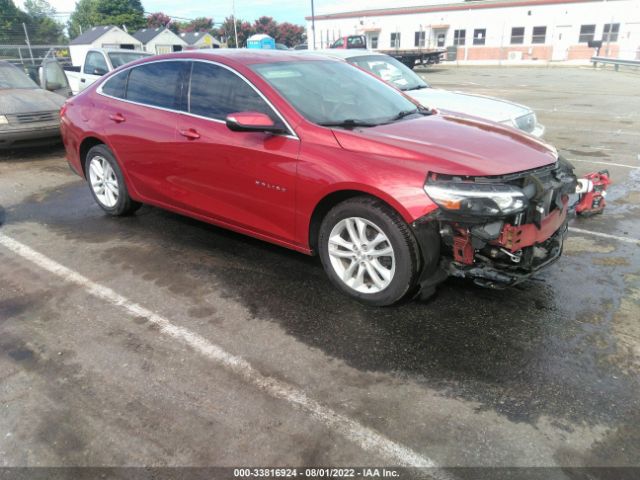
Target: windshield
point(12, 77)
point(332, 92)
point(390, 70)
point(120, 58)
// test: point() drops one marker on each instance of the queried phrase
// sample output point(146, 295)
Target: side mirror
point(52, 87)
point(251, 122)
point(99, 71)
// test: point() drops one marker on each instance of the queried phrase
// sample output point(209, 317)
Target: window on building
point(374, 42)
point(395, 40)
point(610, 32)
point(587, 32)
point(420, 39)
point(539, 35)
point(517, 35)
point(479, 36)
point(459, 37)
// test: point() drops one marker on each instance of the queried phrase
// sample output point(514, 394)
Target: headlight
point(477, 198)
point(3, 120)
point(527, 122)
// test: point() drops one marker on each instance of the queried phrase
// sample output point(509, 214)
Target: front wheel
point(368, 251)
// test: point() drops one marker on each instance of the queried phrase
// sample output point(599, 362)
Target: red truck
point(409, 57)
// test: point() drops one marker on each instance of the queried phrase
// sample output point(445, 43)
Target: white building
point(160, 40)
point(101, 37)
point(490, 30)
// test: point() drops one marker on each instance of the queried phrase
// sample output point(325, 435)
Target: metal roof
point(91, 35)
point(145, 35)
point(193, 37)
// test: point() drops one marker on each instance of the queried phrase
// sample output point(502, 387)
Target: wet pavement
point(545, 374)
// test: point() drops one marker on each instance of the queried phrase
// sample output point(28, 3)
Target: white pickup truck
point(98, 62)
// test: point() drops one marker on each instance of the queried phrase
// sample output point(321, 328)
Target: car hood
point(16, 100)
point(451, 143)
point(494, 109)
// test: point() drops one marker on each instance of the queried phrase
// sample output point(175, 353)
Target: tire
point(397, 255)
point(107, 184)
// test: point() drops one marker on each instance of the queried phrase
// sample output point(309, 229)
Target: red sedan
point(320, 157)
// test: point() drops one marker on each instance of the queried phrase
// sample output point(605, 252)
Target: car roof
point(245, 56)
point(344, 53)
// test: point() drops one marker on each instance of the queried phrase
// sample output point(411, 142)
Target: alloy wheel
point(104, 181)
point(361, 255)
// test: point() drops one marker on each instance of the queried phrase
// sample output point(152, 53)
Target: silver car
point(402, 77)
point(29, 115)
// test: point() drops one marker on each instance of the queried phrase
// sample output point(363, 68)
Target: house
point(493, 30)
point(160, 40)
point(101, 37)
point(199, 40)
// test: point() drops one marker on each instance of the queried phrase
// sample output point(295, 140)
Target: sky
point(281, 10)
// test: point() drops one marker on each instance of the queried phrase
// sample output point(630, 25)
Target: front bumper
point(487, 273)
point(48, 133)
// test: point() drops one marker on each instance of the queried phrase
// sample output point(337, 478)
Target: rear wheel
point(368, 251)
point(106, 182)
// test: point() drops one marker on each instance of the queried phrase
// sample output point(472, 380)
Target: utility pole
point(235, 25)
point(26, 36)
point(313, 25)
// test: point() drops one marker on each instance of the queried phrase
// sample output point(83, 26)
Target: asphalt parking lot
point(157, 340)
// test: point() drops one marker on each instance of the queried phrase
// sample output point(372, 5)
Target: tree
point(290, 34)
point(200, 24)
point(42, 28)
point(245, 30)
point(158, 19)
point(91, 13)
point(11, 18)
point(266, 25)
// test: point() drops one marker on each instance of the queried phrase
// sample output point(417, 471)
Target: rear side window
point(157, 84)
point(216, 92)
point(116, 85)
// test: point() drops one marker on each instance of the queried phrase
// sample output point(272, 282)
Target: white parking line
point(605, 235)
point(366, 438)
point(603, 163)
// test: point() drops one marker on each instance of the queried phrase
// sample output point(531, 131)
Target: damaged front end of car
point(496, 230)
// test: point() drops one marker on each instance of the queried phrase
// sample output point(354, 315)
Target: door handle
point(117, 117)
point(82, 80)
point(191, 134)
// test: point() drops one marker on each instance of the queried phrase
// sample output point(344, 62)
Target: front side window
point(335, 93)
point(517, 35)
point(390, 70)
point(395, 40)
point(120, 58)
point(479, 36)
point(420, 39)
point(95, 64)
point(610, 32)
point(157, 84)
point(338, 43)
point(216, 92)
point(459, 37)
point(539, 35)
point(587, 32)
